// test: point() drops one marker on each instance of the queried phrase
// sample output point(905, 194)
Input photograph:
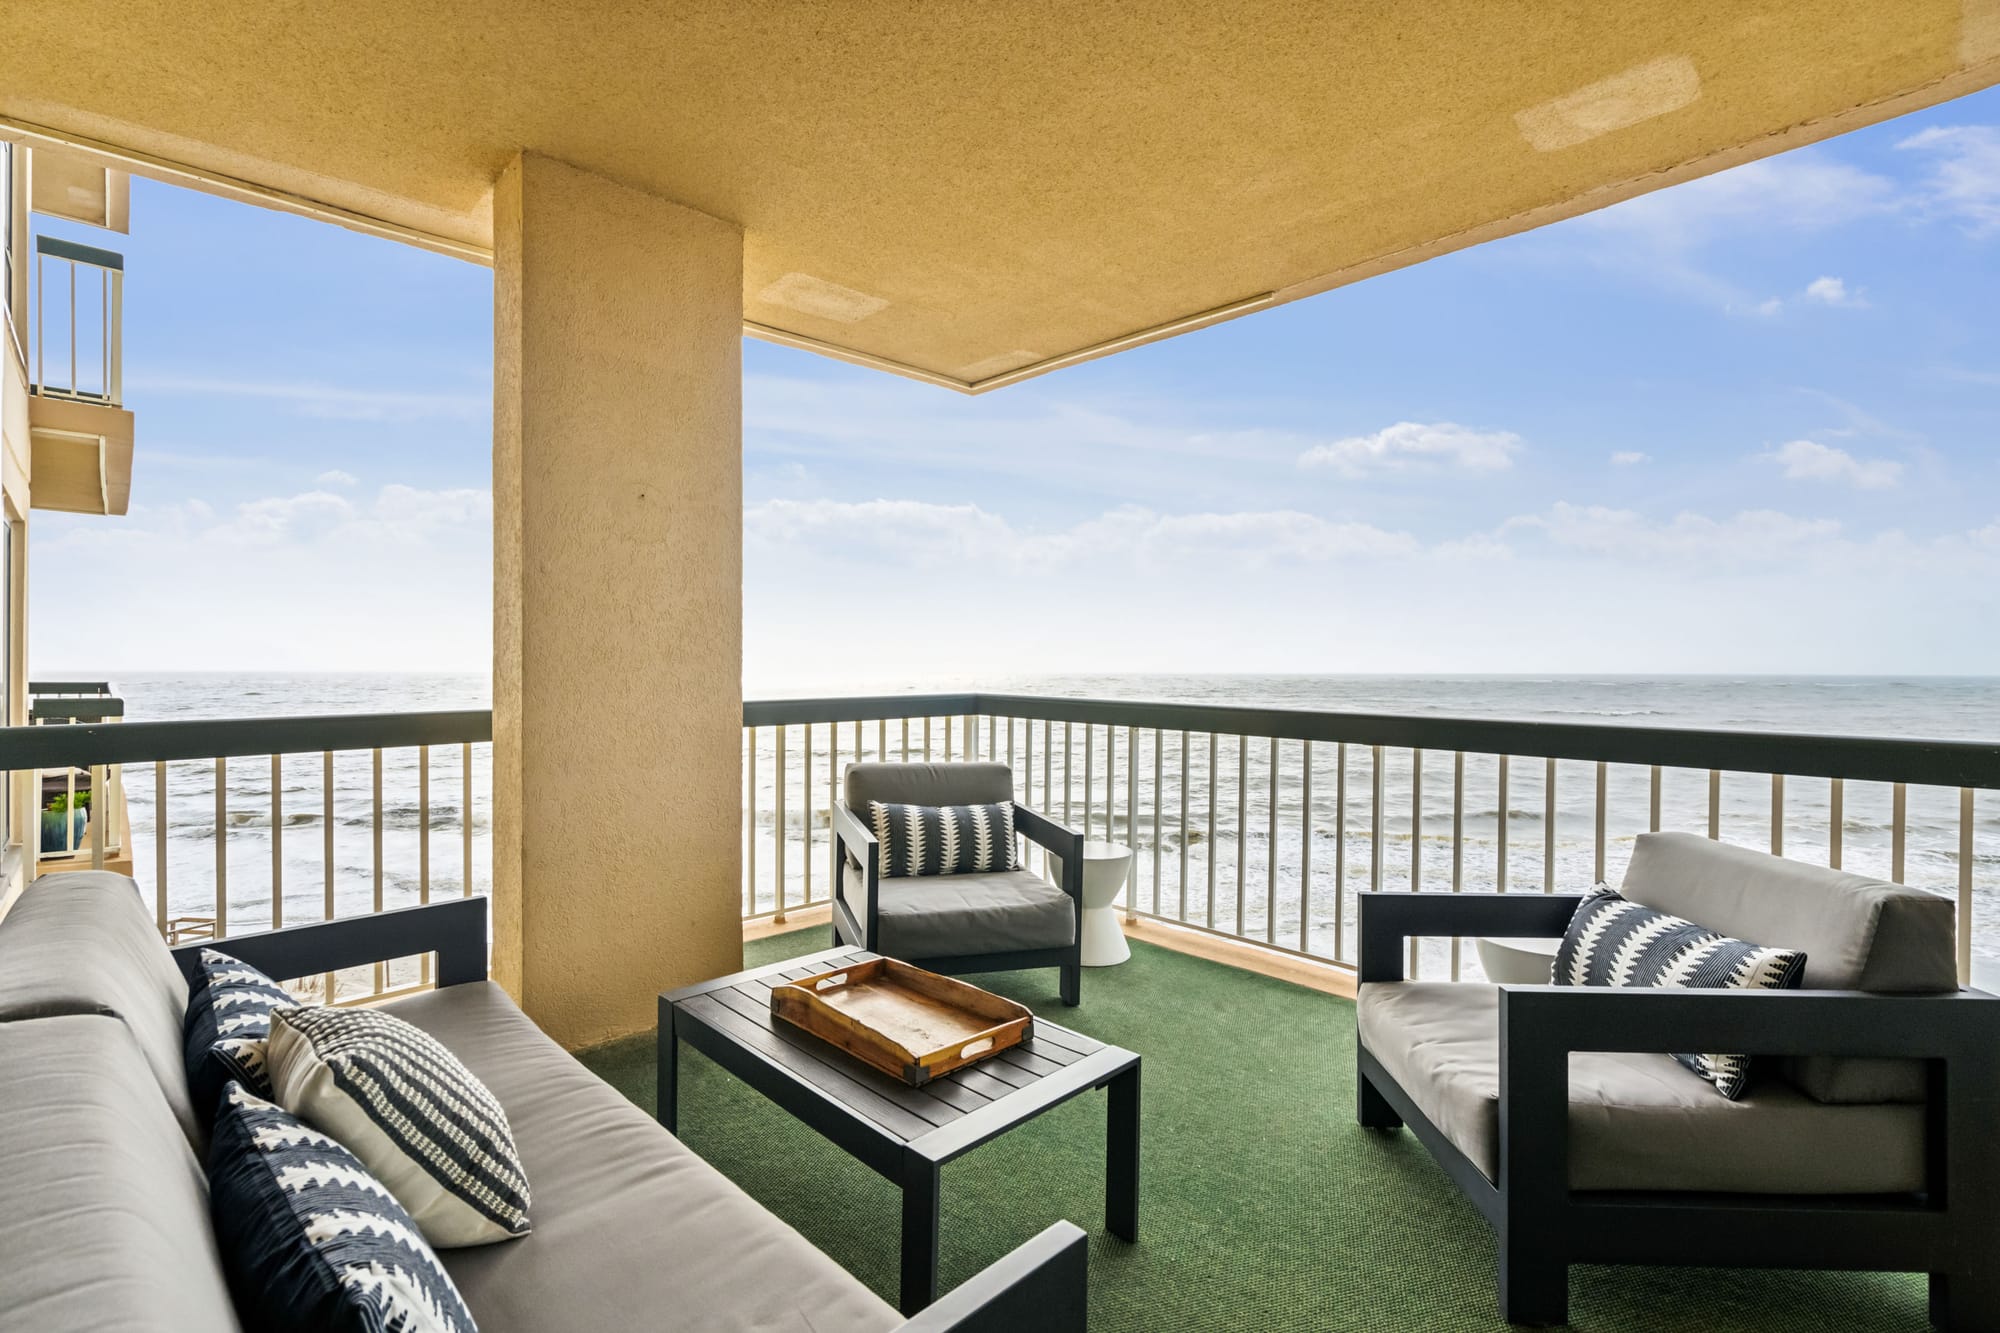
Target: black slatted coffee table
point(905, 1133)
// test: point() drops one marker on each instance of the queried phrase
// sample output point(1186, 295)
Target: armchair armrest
point(455, 930)
point(1063, 842)
point(1386, 920)
point(1042, 1285)
point(857, 841)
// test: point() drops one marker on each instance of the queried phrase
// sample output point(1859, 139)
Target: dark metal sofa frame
point(1950, 1230)
point(1042, 1284)
point(862, 929)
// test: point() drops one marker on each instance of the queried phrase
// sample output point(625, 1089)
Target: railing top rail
point(149, 742)
point(82, 254)
point(1919, 762)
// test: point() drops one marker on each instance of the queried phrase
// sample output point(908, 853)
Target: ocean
point(1923, 707)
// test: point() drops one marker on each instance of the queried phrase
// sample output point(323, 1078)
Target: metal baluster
point(806, 809)
point(947, 739)
point(1090, 773)
point(1069, 780)
point(1158, 776)
point(1965, 886)
point(750, 832)
point(1132, 824)
point(424, 844)
point(833, 795)
point(906, 740)
point(1715, 803)
point(1603, 772)
point(1457, 843)
point(160, 844)
point(221, 847)
point(1271, 854)
point(1777, 814)
point(277, 842)
point(1898, 830)
point(1211, 830)
point(1305, 845)
point(1500, 833)
point(1416, 820)
point(1340, 850)
point(1182, 827)
point(381, 969)
point(1242, 824)
point(1375, 787)
point(1048, 770)
point(101, 814)
point(465, 818)
point(326, 831)
point(1653, 814)
point(1836, 824)
point(781, 832)
point(1549, 828)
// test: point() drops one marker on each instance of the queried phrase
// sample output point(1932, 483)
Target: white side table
point(1523, 961)
point(1105, 866)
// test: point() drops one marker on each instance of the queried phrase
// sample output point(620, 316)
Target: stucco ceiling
point(974, 192)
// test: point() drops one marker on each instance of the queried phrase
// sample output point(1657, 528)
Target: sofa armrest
point(1043, 1285)
point(1386, 920)
point(455, 930)
point(859, 843)
point(1064, 842)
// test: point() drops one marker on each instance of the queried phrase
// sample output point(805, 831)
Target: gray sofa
point(103, 1206)
point(1866, 1143)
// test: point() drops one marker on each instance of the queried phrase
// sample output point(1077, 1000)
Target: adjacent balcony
point(81, 431)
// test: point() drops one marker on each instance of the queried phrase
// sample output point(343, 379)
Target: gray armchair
point(1867, 1143)
point(1001, 921)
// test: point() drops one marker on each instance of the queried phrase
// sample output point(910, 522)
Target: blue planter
point(53, 839)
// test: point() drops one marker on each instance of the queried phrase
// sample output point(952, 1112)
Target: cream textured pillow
point(417, 1118)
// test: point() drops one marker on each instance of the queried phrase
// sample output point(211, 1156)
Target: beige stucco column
point(617, 597)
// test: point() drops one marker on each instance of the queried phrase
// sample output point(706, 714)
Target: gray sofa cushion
point(83, 942)
point(1636, 1122)
point(103, 1207)
point(949, 916)
point(1857, 934)
point(632, 1230)
point(973, 783)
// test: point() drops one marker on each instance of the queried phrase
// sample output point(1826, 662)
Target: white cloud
point(327, 401)
point(1964, 181)
point(336, 478)
point(1808, 460)
point(1833, 291)
point(1630, 458)
point(1410, 445)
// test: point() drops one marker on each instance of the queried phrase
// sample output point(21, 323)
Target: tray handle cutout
point(980, 1047)
point(828, 983)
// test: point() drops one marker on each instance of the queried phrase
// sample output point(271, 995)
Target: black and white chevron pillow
point(943, 839)
point(311, 1241)
point(411, 1111)
point(228, 1021)
point(1614, 942)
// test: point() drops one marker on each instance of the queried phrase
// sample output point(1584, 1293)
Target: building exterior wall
point(617, 627)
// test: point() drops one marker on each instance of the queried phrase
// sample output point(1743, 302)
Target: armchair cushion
point(946, 916)
point(1857, 934)
point(943, 839)
point(927, 784)
point(1612, 942)
point(1636, 1121)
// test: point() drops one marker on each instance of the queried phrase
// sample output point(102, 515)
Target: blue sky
point(1748, 424)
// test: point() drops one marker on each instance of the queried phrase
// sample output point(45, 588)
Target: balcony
point(82, 434)
point(1253, 829)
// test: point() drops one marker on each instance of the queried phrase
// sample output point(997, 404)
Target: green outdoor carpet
point(1262, 1205)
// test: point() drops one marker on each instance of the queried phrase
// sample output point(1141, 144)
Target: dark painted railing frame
point(1918, 762)
point(152, 742)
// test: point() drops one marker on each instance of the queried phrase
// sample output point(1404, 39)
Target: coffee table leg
point(1121, 1163)
point(667, 1089)
point(921, 1193)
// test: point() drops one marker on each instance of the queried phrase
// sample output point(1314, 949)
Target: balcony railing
point(257, 823)
point(1262, 824)
point(84, 313)
point(1257, 824)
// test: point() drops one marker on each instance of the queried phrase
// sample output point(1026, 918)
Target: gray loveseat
point(103, 1204)
point(1867, 1143)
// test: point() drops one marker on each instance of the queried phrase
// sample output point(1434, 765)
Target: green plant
point(60, 802)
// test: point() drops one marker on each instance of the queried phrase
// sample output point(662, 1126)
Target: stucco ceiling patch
point(1979, 37)
point(998, 365)
point(1625, 99)
point(816, 296)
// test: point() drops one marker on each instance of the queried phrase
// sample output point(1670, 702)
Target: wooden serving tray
point(910, 1024)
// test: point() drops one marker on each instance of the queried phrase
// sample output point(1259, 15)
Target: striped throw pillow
point(1615, 942)
point(415, 1116)
point(943, 839)
point(228, 1022)
point(310, 1241)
